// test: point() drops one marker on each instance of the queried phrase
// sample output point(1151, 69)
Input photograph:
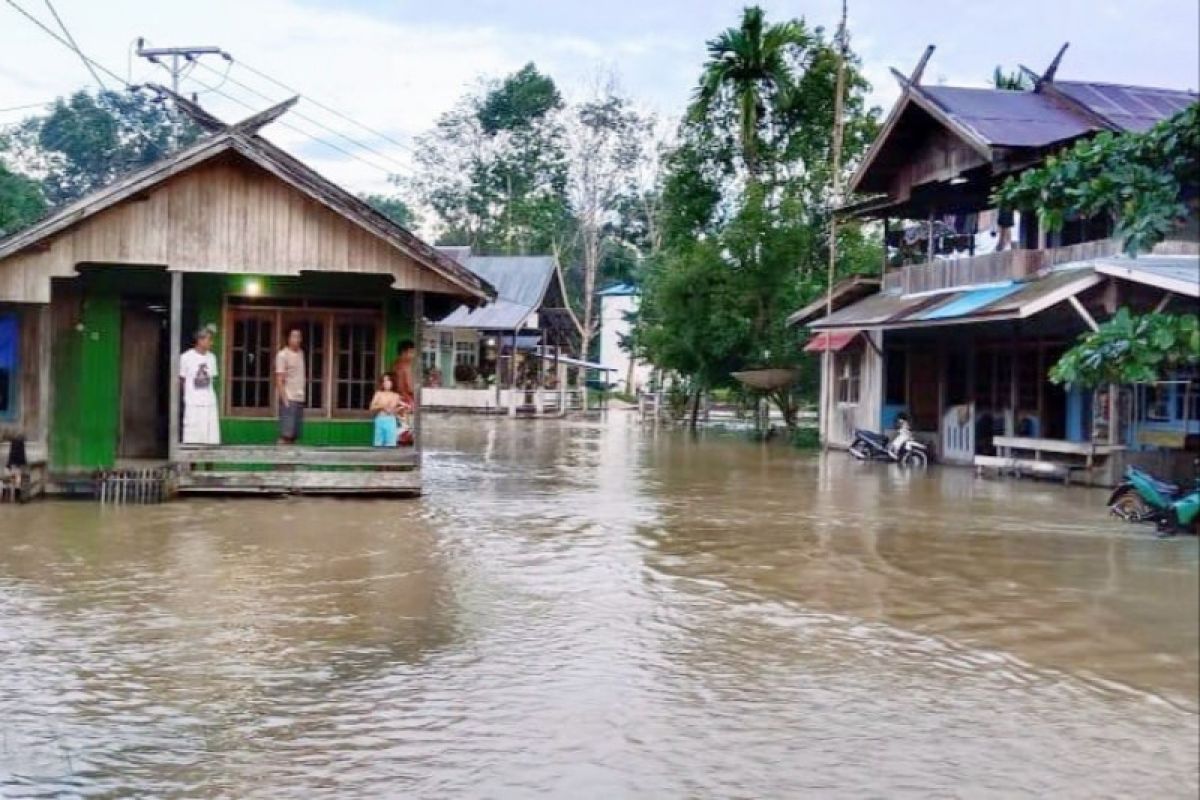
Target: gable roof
point(243, 140)
point(1053, 113)
point(521, 284)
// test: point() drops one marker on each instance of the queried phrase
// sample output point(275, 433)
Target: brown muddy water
point(588, 610)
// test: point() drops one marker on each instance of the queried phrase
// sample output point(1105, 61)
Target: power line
point(307, 118)
point(25, 107)
point(293, 128)
point(90, 61)
point(74, 44)
point(324, 107)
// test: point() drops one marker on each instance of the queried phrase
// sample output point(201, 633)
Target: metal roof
point(1131, 108)
point(619, 290)
point(1018, 300)
point(1009, 118)
point(520, 282)
point(1180, 274)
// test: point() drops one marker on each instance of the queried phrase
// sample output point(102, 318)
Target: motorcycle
point(903, 449)
point(1141, 497)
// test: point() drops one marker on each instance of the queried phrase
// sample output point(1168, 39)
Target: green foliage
point(1131, 348)
point(393, 207)
point(1135, 179)
point(494, 169)
point(21, 201)
point(806, 438)
point(87, 140)
point(1013, 81)
point(745, 230)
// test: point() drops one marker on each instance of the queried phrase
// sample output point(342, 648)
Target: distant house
point(617, 303)
point(232, 234)
point(961, 340)
point(491, 357)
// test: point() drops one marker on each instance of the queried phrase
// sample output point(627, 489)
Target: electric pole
point(180, 58)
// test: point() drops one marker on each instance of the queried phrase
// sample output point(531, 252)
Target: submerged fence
point(137, 486)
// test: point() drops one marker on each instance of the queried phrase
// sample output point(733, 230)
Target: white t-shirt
point(191, 366)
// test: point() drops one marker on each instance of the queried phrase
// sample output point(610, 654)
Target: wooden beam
point(175, 328)
point(272, 455)
point(1162, 304)
point(45, 365)
point(919, 70)
point(935, 110)
point(1048, 75)
point(1083, 312)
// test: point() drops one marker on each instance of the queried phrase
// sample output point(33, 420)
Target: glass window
point(9, 382)
point(849, 374)
point(429, 355)
point(466, 353)
point(357, 364)
point(251, 362)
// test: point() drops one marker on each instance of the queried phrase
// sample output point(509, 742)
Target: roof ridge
point(1140, 87)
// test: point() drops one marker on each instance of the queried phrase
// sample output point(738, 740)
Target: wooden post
point(418, 369)
point(838, 130)
point(175, 334)
point(562, 387)
point(929, 248)
point(512, 377)
point(883, 267)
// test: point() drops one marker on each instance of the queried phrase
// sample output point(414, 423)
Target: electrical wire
point(90, 61)
point(309, 119)
point(74, 44)
point(324, 107)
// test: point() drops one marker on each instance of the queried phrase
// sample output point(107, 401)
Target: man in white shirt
point(197, 369)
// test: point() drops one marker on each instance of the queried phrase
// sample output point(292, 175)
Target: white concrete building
point(616, 303)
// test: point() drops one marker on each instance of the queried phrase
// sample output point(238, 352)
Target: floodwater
point(588, 610)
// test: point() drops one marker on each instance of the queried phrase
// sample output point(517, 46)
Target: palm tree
point(752, 66)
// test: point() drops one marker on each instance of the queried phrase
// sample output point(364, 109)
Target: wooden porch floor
point(287, 469)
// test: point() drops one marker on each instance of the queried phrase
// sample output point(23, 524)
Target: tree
point(1134, 179)
point(1012, 81)
point(391, 206)
point(493, 171)
point(767, 225)
point(607, 143)
point(1131, 348)
point(87, 140)
point(751, 69)
point(21, 201)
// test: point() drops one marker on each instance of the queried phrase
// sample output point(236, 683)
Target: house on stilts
point(231, 234)
point(973, 306)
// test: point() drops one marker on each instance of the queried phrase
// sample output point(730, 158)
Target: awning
point(833, 341)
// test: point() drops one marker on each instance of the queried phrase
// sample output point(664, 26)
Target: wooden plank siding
point(225, 215)
point(1007, 265)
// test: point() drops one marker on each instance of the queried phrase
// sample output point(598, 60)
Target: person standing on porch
point(197, 370)
point(289, 385)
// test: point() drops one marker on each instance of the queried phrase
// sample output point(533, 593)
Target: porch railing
point(1008, 265)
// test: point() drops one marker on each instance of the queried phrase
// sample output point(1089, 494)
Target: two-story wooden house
point(973, 307)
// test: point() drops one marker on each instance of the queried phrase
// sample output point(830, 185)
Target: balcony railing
point(1008, 265)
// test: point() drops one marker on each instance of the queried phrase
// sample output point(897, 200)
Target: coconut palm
point(1016, 81)
point(751, 66)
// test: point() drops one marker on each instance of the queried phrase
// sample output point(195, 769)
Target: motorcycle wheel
point(915, 459)
point(859, 452)
point(1130, 507)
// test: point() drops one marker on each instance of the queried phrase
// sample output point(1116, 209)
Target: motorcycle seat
point(874, 438)
point(1162, 487)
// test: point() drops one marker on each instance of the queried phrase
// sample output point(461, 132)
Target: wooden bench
point(1037, 466)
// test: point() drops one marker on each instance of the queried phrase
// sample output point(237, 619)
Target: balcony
point(1008, 265)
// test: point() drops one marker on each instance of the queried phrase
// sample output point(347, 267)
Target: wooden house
point(971, 308)
point(518, 353)
point(232, 234)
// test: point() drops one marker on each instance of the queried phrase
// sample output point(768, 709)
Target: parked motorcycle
point(903, 449)
point(1141, 497)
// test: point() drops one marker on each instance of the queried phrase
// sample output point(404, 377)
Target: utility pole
point(180, 58)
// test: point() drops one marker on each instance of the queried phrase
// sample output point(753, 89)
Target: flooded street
point(593, 610)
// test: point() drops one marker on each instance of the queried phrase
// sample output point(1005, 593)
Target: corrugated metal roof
point(1009, 118)
point(962, 303)
point(1133, 108)
point(620, 290)
point(1174, 273)
point(1014, 301)
point(520, 283)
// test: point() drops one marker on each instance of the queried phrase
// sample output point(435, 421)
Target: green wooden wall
point(87, 356)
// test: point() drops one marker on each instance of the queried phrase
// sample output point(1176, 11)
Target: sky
point(394, 65)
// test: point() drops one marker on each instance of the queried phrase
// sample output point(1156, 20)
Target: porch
point(291, 469)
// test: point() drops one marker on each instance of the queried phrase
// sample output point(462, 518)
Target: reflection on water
point(601, 610)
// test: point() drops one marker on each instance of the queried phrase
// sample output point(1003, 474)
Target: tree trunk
point(695, 408)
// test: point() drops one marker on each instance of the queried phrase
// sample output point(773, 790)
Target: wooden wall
point(225, 216)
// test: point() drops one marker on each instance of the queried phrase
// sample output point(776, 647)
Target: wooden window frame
point(848, 370)
point(303, 311)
